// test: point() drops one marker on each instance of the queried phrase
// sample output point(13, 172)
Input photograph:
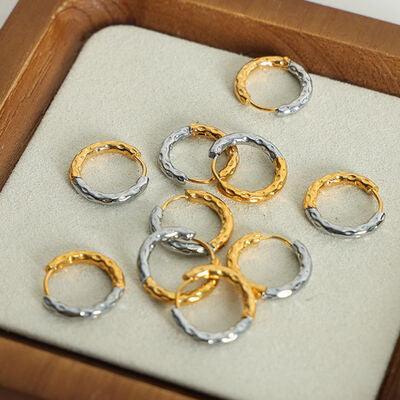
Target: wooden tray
point(38, 44)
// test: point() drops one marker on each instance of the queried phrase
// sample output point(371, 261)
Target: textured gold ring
point(272, 153)
point(194, 130)
point(342, 178)
point(95, 149)
point(102, 262)
point(151, 286)
point(262, 291)
point(216, 272)
point(204, 198)
point(284, 63)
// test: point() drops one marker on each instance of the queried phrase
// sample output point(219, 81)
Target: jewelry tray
point(136, 85)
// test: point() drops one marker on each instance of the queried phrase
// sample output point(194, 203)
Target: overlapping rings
point(211, 273)
point(193, 130)
point(226, 144)
point(185, 241)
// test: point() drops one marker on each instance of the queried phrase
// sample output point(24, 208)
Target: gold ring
point(261, 291)
point(251, 239)
point(342, 178)
point(102, 262)
point(95, 149)
point(284, 63)
point(209, 200)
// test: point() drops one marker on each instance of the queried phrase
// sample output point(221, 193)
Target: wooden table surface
point(34, 370)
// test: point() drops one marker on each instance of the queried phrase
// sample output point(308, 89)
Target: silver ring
point(88, 312)
point(305, 269)
point(227, 336)
point(250, 139)
point(315, 217)
point(193, 130)
point(162, 235)
point(91, 194)
point(164, 157)
point(186, 246)
point(306, 90)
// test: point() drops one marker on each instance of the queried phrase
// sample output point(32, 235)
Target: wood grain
point(41, 40)
point(39, 43)
point(390, 388)
point(46, 372)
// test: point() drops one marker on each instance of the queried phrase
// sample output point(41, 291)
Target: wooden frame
point(40, 41)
